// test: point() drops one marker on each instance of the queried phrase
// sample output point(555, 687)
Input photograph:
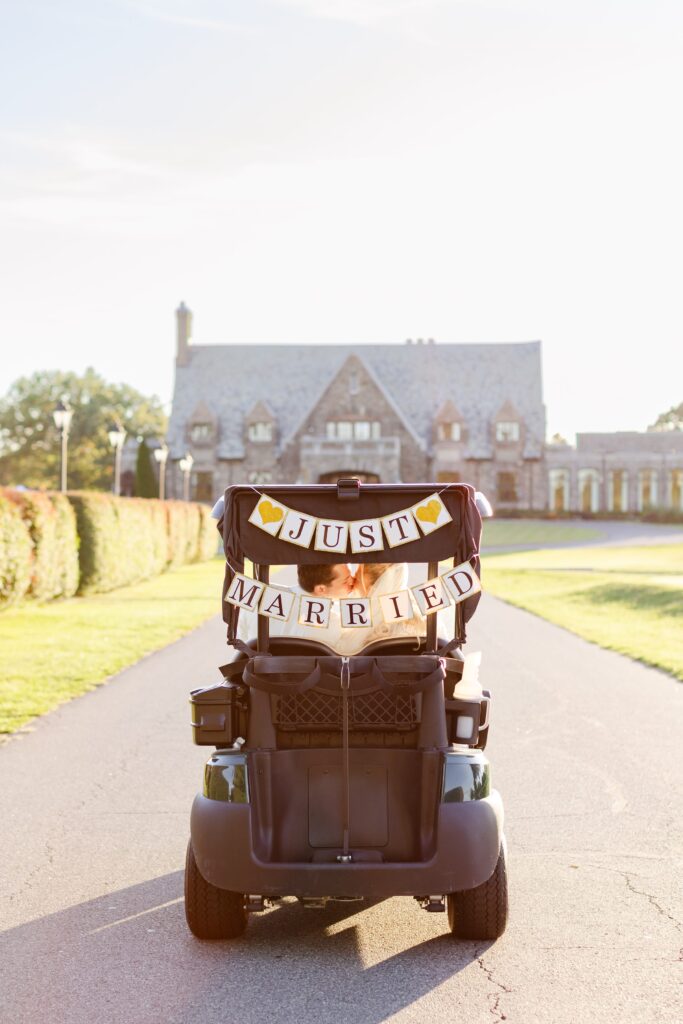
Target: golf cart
point(347, 777)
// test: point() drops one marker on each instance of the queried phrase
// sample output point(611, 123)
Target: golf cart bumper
point(468, 841)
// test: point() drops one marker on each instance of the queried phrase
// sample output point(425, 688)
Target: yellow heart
point(270, 514)
point(430, 512)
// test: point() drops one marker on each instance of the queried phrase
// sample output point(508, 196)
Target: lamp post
point(117, 436)
point(186, 468)
point(62, 417)
point(161, 455)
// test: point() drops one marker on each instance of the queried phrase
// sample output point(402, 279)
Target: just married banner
point(364, 535)
point(436, 594)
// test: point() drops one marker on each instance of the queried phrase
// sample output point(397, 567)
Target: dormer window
point(449, 431)
point(200, 433)
point(260, 432)
point(507, 431)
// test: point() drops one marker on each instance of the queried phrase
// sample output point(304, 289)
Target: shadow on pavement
point(129, 957)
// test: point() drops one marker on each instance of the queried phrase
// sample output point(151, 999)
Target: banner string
point(261, 494)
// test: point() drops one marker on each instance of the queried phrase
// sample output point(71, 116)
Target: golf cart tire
point(211, 913)
point(482, 912)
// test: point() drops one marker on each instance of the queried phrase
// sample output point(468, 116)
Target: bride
point(375, 580)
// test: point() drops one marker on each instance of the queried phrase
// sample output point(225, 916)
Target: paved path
point(586, 751)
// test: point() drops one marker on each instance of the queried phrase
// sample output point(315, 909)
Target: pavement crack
point(653, 902)
point(494, 997)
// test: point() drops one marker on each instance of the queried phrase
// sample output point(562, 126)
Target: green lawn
point(50, 653)
point(628, 599)
point(512, 532)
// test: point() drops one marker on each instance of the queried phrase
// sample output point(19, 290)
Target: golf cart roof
point(350, 501)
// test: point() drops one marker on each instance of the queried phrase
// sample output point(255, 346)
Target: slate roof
point(418, 379)
point(660, 441)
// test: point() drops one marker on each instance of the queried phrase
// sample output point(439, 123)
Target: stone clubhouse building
point(265, 414)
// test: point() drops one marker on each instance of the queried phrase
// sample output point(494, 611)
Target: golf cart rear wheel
point(481, 913)
point(211, 913)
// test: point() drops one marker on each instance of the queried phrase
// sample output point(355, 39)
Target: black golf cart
point(345, 777)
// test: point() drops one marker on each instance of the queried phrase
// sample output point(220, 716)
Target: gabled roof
point(261, 412)
point(507, 411)
point(417, 379)
point(202, 414)
point(448, 413)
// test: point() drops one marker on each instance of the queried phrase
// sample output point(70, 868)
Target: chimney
point(183, 334)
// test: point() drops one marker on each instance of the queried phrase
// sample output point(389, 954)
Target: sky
point(348, 171)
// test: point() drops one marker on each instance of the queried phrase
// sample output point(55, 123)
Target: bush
point(51, 525)
point(208, 535)
point(124, 540)
point(183, 532)
point(118, 543)
point(16, 554)
point(53, 545)
point(160, 545)
point(67, 543)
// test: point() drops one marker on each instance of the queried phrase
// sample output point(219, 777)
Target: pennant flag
point(355, 612)
point(314, 611)
point(431, 596)
point(366, 535)
point(331, 535)
point(298, 528)
point(431, 514)
point(461, 582)
point(244, 592)
point(276, 603)
point(400, 528)
point(396, 607)
point(268, 515)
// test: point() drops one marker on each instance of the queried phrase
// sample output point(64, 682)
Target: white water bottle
point(468, 688)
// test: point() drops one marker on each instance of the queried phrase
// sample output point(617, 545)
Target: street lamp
point(62, 417)
point(161, 455)
point(186, 468)
point(117, 436)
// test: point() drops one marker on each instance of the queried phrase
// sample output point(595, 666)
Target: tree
point(145, 481)
point(671, 420)
point(30, 442)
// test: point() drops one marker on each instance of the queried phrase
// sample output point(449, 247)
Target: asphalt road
point(586, 750)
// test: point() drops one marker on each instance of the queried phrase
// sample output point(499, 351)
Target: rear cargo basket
point(316, 709)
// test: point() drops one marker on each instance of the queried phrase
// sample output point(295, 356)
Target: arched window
point(589, 490)
point(617, 490)
point(676, 489)
point(558, 499)
point(647, 489)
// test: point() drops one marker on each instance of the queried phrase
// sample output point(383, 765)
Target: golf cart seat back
point(294, 702)
point(349, 501)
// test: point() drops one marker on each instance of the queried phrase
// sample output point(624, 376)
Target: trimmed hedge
point(183, 532)
point(209, 539)
point(55, 545)
point(124, 540)
point(51, 525)
point(16, 554)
